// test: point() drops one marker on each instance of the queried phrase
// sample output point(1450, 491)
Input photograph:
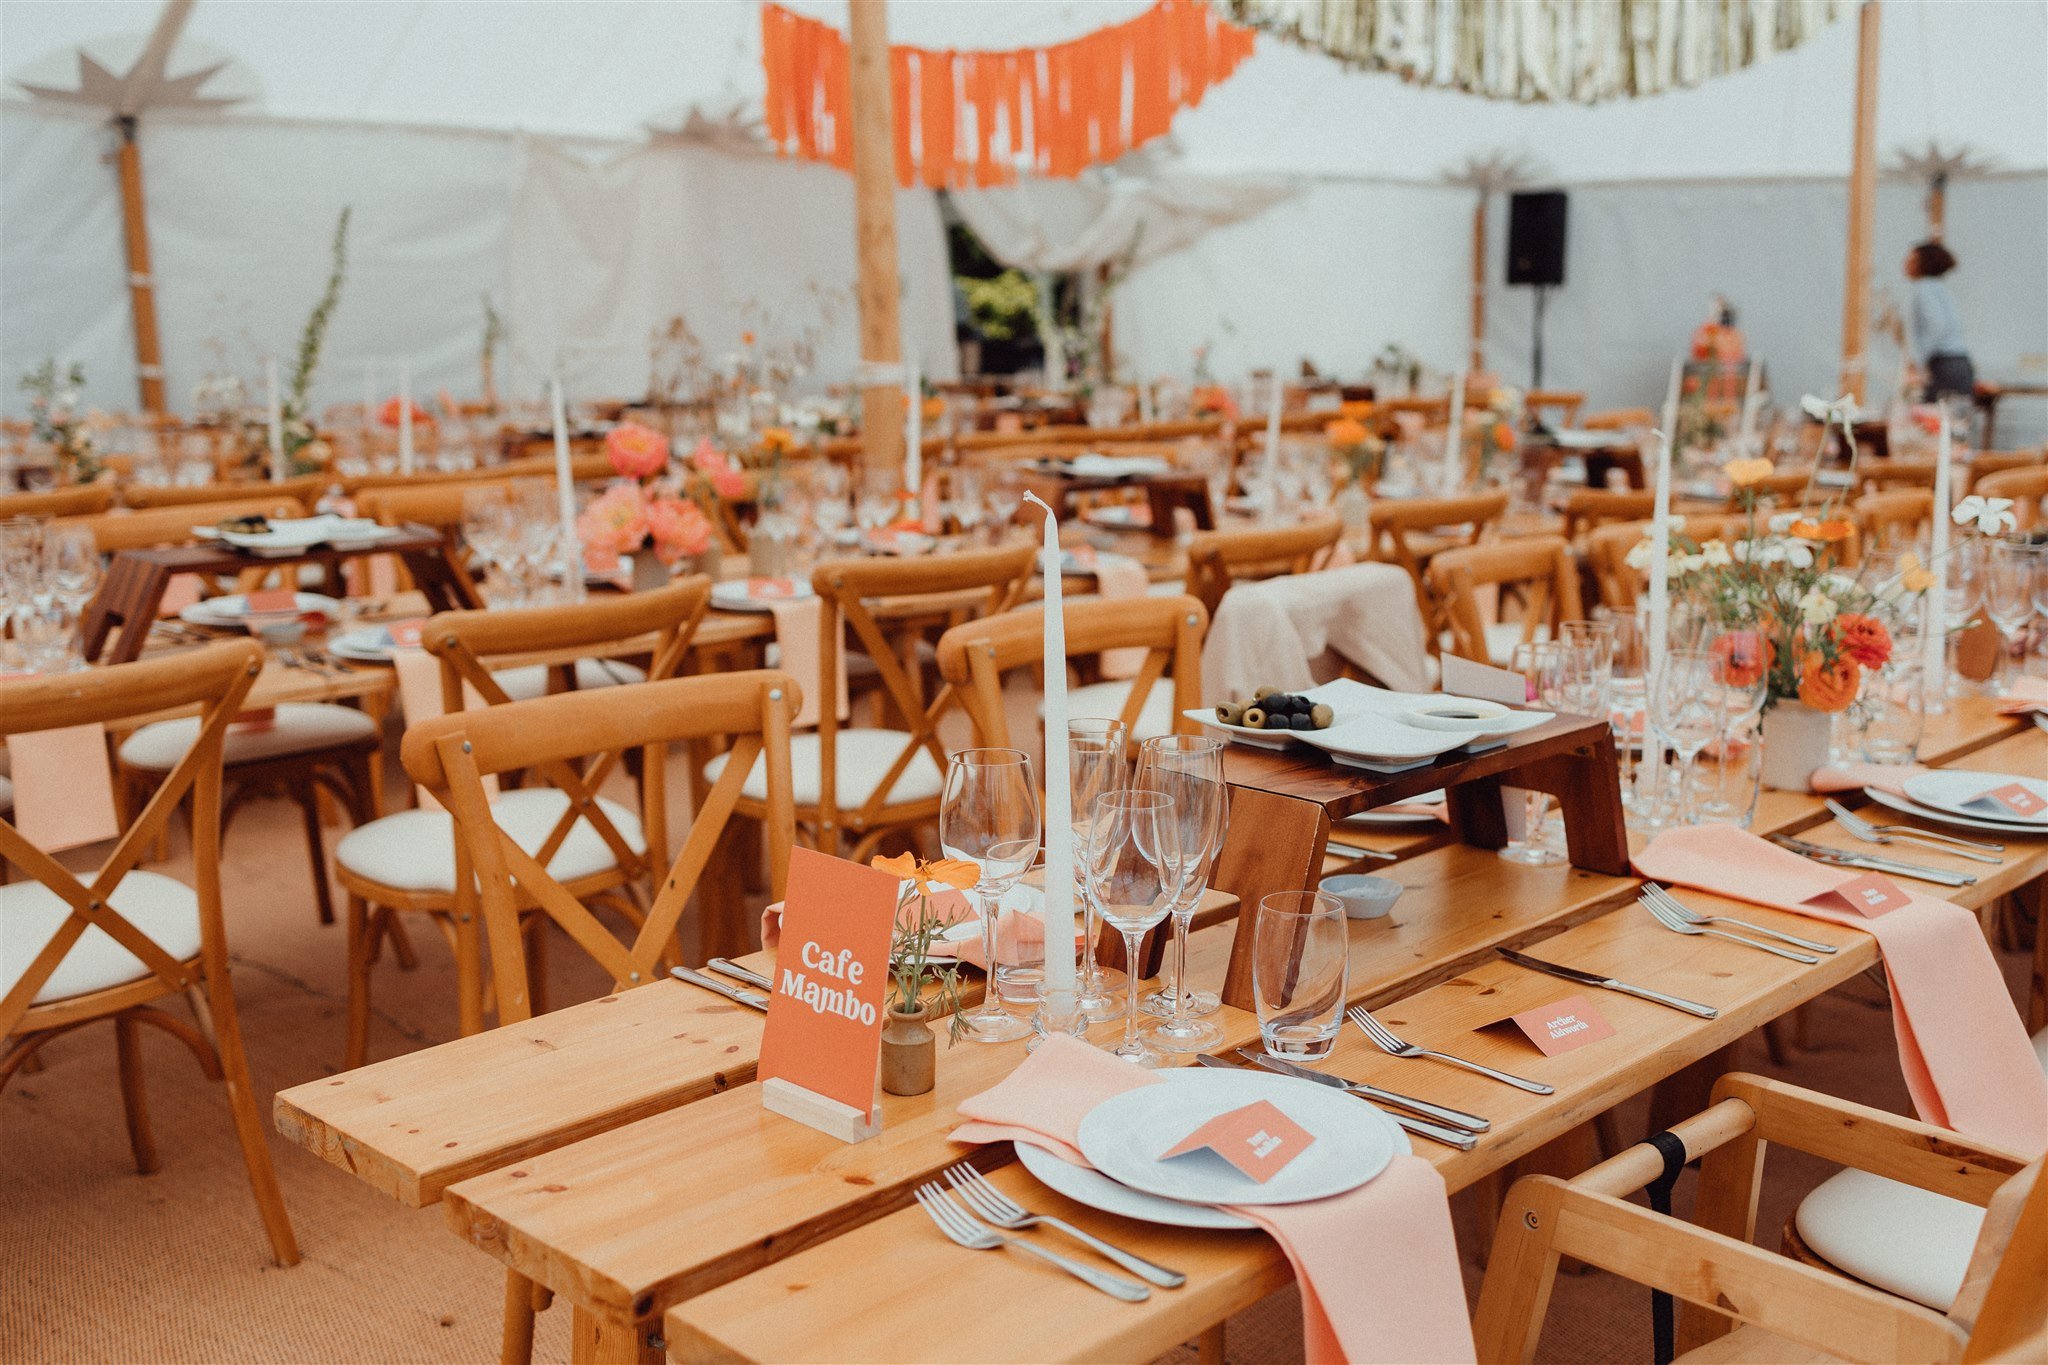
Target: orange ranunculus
point(1213, 399)
point(394, 408)
point(636, 451)
point(1863, 638)
point(953, 872)
point(1745, 656)
point(1828, 685)
point(934, 409)
point(1345, 432)
point(746, 338)
point(1743, 473)
point(1503, 436)
point(1827, 532)
point(777, 440)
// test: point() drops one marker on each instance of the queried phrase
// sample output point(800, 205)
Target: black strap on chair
point(1663, 1325)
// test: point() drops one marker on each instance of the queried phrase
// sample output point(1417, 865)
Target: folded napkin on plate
point(1966, 1058)
point(2026, 694)
point(1852, 777)
point(1378, 1265)
point(1266, 632)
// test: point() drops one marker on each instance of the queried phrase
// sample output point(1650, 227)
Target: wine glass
point(71, 569)
point(1685, 714)
point(1541, 664)
point(2008, 588)
point(1189, 768)
point(1741, 686)
point(1095, 765)
point(487, 526)
point(1133, 870)
point(989, 817)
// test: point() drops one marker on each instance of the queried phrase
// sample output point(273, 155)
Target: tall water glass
point(1133, 862)
point(1096, 764)
point(1891, 711)
point(1626, 686)
point(988, 816)
point(1541, 664)
point(1189, 768)
point(1300, 970)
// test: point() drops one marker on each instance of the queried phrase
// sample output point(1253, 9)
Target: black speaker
point(1536, 238)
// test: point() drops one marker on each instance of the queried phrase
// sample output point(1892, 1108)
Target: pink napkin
point(63, 787)
point(1121, 576)
point(1378, 1265)
point(1852, 777)
point(181, 592)
point(1966, 1058)
point(799, 623)
point(2027, 694)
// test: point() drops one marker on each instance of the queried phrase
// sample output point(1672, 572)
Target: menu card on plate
point(1258, 1140)
point(2015, 799)
point(821, 1049)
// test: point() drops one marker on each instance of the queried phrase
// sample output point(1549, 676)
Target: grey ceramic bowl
point(1364, 896)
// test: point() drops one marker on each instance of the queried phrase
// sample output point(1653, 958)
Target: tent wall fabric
point(584, 247)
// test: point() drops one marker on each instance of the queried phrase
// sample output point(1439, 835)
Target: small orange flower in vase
point(910, 948)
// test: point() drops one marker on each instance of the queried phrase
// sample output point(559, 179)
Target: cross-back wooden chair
point(1618, 419)
point(1787, 488)
point(1538, 570)
point(1564, 404)
point(133, 530)
point(1892, 518)
point(406, 862)
point(1216, 559)
point(83, 500)
point(867, 783)
point(78, 950)
point(304, 490)
point(2028, 489)
point(1882, 476)
point(1985, 464)
point(1739, 1302)
point(1586, 509)
point(1409, 531)
point(976, 658)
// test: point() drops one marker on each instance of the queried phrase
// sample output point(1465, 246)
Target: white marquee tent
point(576, 163)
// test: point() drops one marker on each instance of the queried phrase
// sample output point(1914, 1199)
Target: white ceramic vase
point(1795, 738)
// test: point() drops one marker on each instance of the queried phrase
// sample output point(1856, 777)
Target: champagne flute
point(989, 817)
point(1095, 765)
point(1685, 715)
point(1189, 768)
point(1133, 869)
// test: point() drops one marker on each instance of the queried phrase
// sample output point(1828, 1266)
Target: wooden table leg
point(1587, 785)
point(1273, 843)
point(599, 1340)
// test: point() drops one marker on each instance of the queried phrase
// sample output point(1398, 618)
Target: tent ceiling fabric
point(1584, 51)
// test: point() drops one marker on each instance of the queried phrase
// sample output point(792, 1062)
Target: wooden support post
point(874, 215)
point(1937, 205)
point(141, 284)
point(1477, 361)
point(1862, 210)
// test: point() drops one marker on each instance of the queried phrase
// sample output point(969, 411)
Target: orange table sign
point(821, 1048)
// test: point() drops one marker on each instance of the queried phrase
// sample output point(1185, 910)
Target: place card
point(406, 634)
point(2019, 799)
point(270, 602)
point(821, 1048)
point(1464, 678)
point(1258, 1140)
point(767, 588)
point(1869, 895)
point(1563, 1025)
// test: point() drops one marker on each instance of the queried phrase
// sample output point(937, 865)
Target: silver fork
point(998, 1208)
point(1680, 910)
point(1684, 926)
point(1385, 1040)
point(963, 1229)
point(1886, 834)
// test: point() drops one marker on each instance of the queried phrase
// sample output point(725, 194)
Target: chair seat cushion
point(300, 728)
point(414, 850)
point(164, 910)
point(6, 794)
point(1902, 1239)
point(1105, 701)
point(524, 684)
point(863, 758)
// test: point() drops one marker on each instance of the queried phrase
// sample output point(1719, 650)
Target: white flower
point(1640, 553)
point(1835, 411)
point(1798, 554)
point(1817, 608)
point(1781, 522)
point(1714, 554)
point(1994, 516)
point(1691, 563)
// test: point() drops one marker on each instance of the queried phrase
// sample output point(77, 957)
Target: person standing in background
point(1941, 356)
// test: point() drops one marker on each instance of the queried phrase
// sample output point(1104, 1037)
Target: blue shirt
point(1937, 327)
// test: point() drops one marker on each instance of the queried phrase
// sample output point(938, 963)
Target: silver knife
point(1450, 1137)
point(1940, 876)
point(1537, 964)
point(725, 966)
point(1442, 1113)
point(1357, 851)
point(750, 999)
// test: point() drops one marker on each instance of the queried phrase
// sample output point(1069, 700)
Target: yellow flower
point(953, 872)
point(1913, 575)
point(777, 440)
point(1743, 473)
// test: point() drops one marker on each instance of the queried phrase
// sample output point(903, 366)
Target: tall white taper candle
point(1670, 413)
point(405, 451)
point(1934, 639)
point(1059, 792)
point(1452, 476)
point(1650, 772)
point(275, 402)
point(565, 483)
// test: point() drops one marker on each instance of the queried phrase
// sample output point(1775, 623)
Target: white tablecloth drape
point(1296, 631)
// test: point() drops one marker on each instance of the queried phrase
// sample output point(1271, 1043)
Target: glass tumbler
point(1300, 970)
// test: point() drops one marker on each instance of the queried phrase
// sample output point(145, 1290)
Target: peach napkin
point(2026, 694)
point(1966, 1058)
point(63, 787)
point(419, 696)
point(1121, 576)
point(1854, 777)
point(799, 623)
point(1378, 1265)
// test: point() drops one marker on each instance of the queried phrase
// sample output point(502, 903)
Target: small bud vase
point(909, 1053)
point(1795, 739)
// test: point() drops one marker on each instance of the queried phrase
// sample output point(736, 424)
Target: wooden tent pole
point(1477, 361)
point(1862, 209)
point(149, 369)
point(874, 216)
point(1937, 205)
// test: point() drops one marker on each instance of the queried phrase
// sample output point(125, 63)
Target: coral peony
point(1863, 638)
point(615, 522)
point(635, 451)
point(1745, 656)
point(679, 529)
point(393, 409)
point(712, 463)
point(1828, 685)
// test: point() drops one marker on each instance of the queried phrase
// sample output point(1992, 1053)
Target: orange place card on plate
point(63, 787)
point(1257, 1139)
point(269, 601)
point(1563, 1025)
point(771, 587)
point(2021, 800)
point(821, 1048)
point(1464, 678)
point(406, 634)
point(1870, 895)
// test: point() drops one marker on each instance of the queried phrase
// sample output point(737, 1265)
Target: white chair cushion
point(524, 684)
point(2041, 1048)
point(6, 794)
point(166, 911)
point(1105, 701)
point(863, 756)
point(414, 850)
point(1902, 1239)
point(301, 728)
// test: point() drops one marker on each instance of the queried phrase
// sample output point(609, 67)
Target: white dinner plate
point(1955, 791)
point(1907, 806)
point(1124, 1136)
point(759, 594)
point(292, 535)
point(232, 612)
point(368, 645)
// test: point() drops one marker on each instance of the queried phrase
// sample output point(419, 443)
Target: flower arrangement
point(911, 965)
point(302, 451)
point(393, 413)
point(1212, 400)
point(1498, 420)
point(1353, 445)
point(53, 402)
point(641, 507)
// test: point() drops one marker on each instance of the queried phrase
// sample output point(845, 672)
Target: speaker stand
point(1536, 367)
